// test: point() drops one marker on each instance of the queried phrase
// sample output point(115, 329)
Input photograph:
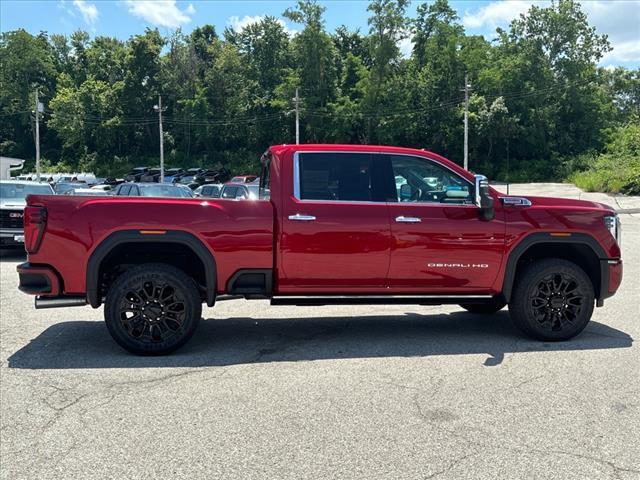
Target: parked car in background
point(239, 191)
point(243, 179)
point(63, 187)
point(152, 190)
point(89, 192)
point(211, 190)
point(103, 188)
point(153, 175)
point(136, 174)
point(172, 175)
point(13, 200)
point(188, 180)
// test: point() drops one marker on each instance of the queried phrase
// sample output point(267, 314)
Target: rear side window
point(229, 192)
point(335, 176)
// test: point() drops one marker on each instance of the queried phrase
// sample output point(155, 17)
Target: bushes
point(617, 170)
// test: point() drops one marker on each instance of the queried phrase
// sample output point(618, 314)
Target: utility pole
point(158, 108)
point(297, 103)
point(37, 114)
point(467, 89)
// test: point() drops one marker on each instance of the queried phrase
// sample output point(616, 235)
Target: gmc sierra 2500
point(334, 224)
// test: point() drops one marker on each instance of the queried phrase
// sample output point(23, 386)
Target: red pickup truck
point(334, 224)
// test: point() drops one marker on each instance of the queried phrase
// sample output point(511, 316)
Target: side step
point(380, 300)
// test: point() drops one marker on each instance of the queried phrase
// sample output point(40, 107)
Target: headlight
point(613, 225)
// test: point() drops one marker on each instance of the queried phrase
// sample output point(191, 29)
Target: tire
point(552, 300)
point(152, 309)
point(484, 308)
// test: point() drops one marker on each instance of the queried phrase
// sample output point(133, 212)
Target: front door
point(336, 236)
point(439, 244)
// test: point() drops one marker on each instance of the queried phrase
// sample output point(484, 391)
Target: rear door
point(439, 243)
point(335, 235)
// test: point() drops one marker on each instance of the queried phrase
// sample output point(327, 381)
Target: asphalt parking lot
point(322, 392)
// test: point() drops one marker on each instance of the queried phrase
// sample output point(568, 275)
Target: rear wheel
point(152, 309)
point(487, 308)
point(552, 300)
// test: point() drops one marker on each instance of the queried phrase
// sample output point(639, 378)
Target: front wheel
point(152, 309)
point(552, 300)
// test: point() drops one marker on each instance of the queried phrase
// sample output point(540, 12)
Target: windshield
point(159, 190)
point(187, 179)
point(19, 190)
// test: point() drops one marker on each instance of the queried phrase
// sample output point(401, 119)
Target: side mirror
point(484, 200)
point(406, 192)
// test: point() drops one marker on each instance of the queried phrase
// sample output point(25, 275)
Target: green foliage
point(541, 109)
point(618, 169)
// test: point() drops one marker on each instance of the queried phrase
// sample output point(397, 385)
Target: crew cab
point(333, 224)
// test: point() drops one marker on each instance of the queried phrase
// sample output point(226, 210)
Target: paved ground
point(324, 392)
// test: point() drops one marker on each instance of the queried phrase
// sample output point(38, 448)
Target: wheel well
point(130, 254)
point(580, 254)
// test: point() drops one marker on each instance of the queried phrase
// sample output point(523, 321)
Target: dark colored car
point(136, 174)
point(152, 175)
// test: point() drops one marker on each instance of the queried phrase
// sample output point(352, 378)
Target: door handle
point(403, 219)
point(302, 218)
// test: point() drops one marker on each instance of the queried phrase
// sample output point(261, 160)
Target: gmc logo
point(16, 215)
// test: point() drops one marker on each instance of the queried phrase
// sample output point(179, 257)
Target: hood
point(565, 203)
point(12, 203)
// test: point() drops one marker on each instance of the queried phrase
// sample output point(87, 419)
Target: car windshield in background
point(161, 190)
point(61, 188)
point(20, 190)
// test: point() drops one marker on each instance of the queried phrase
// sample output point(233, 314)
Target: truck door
point(336, 235)
point(439, 243)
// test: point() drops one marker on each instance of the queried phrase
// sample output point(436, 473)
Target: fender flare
point(171, 236)
point(546, 237)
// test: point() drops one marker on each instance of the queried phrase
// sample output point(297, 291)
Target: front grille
point(11, 218)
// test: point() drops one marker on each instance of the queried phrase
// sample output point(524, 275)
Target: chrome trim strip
point(302, 218)
point(296, 176)
point(403, 219)
point(516, 201)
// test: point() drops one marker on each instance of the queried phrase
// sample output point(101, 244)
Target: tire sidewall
point(133, 277)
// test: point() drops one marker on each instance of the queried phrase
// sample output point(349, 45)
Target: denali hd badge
point(458, 265)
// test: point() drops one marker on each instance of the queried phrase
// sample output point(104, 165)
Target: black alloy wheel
point(553, 299)
point(152, 309)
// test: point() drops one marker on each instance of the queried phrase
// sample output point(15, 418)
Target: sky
point(619, 19)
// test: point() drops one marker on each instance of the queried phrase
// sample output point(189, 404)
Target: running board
point(380, 300)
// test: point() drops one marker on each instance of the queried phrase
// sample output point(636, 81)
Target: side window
point(423, 181)
point(229, 192)
point(135, 191)
point(335, 176)
point(242, 193)
point(124, 190)
point(206, 191)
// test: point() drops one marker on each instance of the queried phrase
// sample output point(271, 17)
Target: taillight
point(35, 219)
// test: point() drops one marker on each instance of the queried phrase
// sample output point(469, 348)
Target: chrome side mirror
point(483, 199)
